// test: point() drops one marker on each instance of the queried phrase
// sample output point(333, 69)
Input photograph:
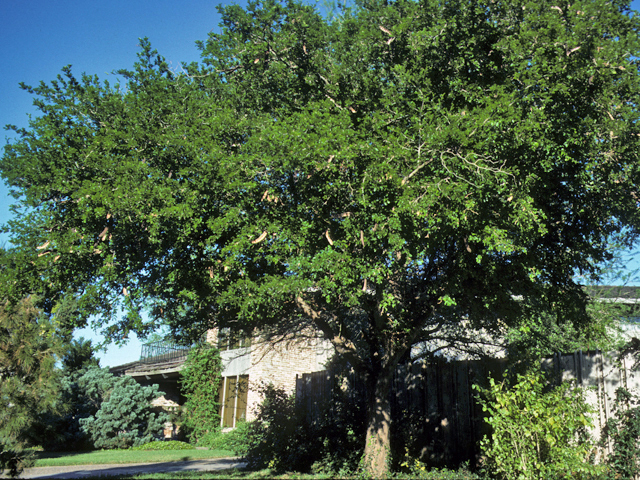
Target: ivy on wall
point(200, 379)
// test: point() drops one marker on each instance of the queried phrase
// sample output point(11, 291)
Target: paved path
point(82, 471)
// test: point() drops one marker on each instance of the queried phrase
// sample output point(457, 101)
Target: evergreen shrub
point(81, 394)
point(125, 417)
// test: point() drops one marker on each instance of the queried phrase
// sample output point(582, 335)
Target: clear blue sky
point(38, 38)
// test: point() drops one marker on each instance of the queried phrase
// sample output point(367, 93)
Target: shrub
point(164, 445)
point(211, 440)
point(418, 469)
point(623, 430)
point(282, 438)
point(538, 432)
point(278, 438)
point(340, 432)
point(81, 395)
point(125, 417)
point(13, 460)
point(200, 379)
point(236, 440)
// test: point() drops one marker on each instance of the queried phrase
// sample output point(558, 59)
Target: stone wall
point(280, 363)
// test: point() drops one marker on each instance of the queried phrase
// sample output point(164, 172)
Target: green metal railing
point(162, 351)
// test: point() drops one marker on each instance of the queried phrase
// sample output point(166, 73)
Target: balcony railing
point(162, 351)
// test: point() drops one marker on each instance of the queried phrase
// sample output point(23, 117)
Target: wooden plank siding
point(437, 403)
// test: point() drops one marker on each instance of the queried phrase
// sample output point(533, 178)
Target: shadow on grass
point(232, 473)
point(193, 469)
point(124, 457)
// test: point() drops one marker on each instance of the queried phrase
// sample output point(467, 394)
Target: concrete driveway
point(83, 471)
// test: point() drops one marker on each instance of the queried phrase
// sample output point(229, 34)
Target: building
point(248, 364)
point(626, 300)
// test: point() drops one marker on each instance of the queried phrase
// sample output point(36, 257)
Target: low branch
point(343, 346)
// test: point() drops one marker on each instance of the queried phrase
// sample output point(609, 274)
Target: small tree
point(79, 356)
point(538, 431)
point(125, 417)
point(200, 379)
point(29, 348)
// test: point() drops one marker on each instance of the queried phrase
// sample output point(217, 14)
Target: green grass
point(222, 474)
point(102, 457)
point(232, 473)
point(268, 474)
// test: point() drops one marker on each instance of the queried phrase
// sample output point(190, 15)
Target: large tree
point(409, 174)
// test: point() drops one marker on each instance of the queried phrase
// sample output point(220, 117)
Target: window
point(228, 340)
point(233, 400)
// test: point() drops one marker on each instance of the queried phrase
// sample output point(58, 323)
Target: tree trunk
point(377, 451)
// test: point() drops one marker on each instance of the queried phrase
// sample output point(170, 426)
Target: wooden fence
point(436, 404)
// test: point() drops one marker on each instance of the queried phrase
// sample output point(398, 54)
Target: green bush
point(236, 440)
point(164, 445)
point(417, 469)
point(81, 394)
point(539, 432)
point(211, 440)
point(13, 460)
point(278, 438)
point(282, 438)
point(623, 430)
point(125, 417)
point(340, 433)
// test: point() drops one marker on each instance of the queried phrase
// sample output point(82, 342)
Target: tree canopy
point(408, 173)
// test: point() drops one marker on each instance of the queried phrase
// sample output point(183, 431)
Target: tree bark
point(377, 450)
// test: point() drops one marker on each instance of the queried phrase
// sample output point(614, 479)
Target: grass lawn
point(46, 459)
point(101, 457)
point(268, 474)
point(231, 473)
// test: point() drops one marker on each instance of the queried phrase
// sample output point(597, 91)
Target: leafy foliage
point(282, 438)
point(200, 380)
point(623, 430)
point(236, 440)
point(538, 430)
point(339, 433)
point(278, 436)
point(418, 469)
point(125, 417)
point(411, 173)
point(542, 336)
